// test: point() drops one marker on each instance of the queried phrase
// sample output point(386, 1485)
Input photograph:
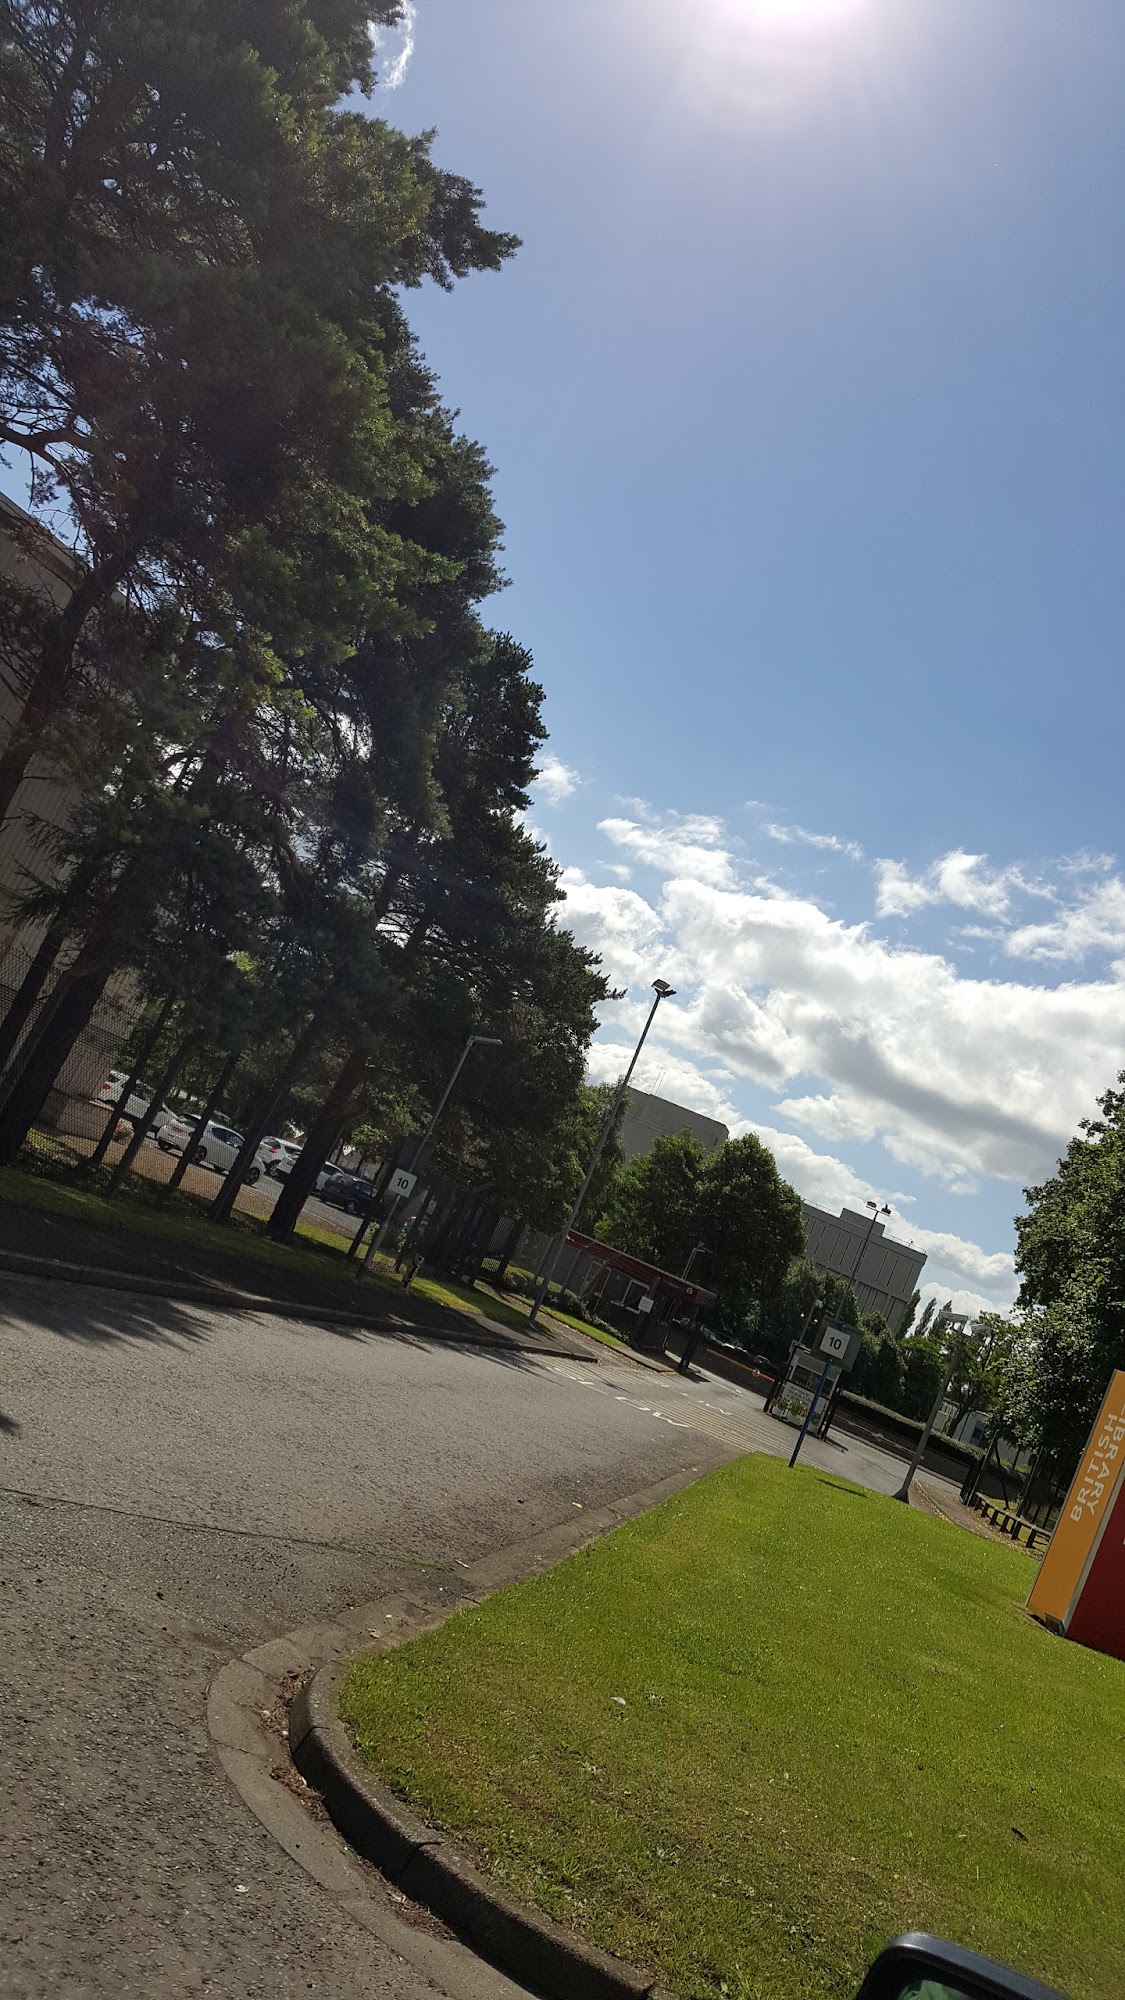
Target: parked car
point(277, 1157)
point(137, 1102)
point(218, 1148)
point(347, 1191)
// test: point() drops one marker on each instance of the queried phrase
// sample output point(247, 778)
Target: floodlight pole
point(919, 1451)
point(376, 1243)
point(662, 991)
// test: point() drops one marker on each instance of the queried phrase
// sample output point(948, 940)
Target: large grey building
point(650, 1118)
point(883, 1274)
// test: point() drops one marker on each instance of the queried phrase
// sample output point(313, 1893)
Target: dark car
point(350, 1192)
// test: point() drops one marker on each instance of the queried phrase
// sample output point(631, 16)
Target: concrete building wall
point(34, 560)
point(884, 1275)
point(650, 1118)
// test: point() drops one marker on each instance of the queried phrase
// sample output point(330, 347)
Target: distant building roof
point(649, 1118)
point(883, 1273)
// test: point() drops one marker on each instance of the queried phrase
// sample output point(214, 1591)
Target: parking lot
point(257, 1200)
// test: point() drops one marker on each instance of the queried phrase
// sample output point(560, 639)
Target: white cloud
point(961, 1299)
point(692, 844)
point(1096, 922)
point(626, 928)
point(1089, 914)
point(957, 1076)
point(959, 878)
point(399, 40)
point(555, 781)
point(618, 869)
point(831, 843)
point(976, 1278)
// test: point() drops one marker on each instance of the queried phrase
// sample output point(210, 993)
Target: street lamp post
point(885, 1210)
point(376, 1243)
point(662, 991)
point(697, 1252)
point(958, 1342)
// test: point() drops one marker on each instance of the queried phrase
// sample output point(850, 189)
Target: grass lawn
point(144, 1228)
point(746, 1739)
point(514, 1304)
point(175, 1232)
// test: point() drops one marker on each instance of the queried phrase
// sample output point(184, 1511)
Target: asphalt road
point(177, 1485)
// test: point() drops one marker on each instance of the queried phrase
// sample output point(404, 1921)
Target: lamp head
point(662, 989)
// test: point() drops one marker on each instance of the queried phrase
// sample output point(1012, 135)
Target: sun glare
point(794, 17)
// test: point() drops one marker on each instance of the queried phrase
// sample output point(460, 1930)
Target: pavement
point(179, 1484)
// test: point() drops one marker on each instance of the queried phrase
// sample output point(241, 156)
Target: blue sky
point(805, 400)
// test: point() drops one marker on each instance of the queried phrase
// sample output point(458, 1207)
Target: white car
point(137, 1102)
point(277, 1157)
point(218, 1149)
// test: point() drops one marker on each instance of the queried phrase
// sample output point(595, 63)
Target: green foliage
point(880, 1368)
point(751, 1222)
point(655, 1205)
point(1071, 1258)
point(732, 1202)
point(308, 751)
point(544, 1148)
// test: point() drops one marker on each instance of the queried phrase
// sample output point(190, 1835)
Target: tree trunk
point(69, 1009)
point(50, 685)
point(204, 1119)
point(131, 1082)
point(322, 1136)
point(67, 1018)
point(22, 1004)
point(511, 1245)
point(222, 1206)
point(144, 1125)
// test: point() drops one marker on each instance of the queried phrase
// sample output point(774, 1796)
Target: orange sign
point(1076, 1559)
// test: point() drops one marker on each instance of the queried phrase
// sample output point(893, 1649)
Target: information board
point(1080, 1589)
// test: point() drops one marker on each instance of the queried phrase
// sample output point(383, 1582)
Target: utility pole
point(662, 991)
point(954, 1357)
point(376, 1243)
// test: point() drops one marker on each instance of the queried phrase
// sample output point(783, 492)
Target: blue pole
point(809, 1412)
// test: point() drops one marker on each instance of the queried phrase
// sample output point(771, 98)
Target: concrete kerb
point(497, 1940)
point(434, 1872)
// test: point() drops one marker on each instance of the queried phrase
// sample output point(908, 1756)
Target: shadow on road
point(89, 1314)
point(86, 1313)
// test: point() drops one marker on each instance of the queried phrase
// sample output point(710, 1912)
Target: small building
point(650, 1118)
point(640, 1299)
point(882, 1272)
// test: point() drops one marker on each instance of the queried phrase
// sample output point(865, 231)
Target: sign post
point(839, 1345)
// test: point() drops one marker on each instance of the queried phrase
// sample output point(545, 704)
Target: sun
point(794, 17)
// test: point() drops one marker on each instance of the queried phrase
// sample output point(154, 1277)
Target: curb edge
point(432, 1870)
